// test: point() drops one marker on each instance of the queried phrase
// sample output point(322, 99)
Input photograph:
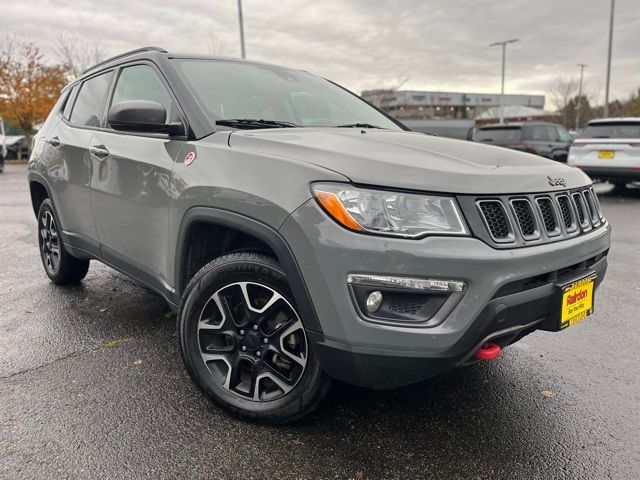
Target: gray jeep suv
point(303, 235)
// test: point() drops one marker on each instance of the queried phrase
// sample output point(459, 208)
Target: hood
point(410, 160)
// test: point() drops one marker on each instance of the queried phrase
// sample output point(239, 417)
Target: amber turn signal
point(333, 207)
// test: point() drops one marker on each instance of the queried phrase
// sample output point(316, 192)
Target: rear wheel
point(61, 267)
point(244, 343)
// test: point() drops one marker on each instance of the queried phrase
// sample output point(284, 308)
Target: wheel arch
point(38, 190)
point(265, 235)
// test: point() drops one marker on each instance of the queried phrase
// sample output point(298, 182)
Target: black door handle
point(54, 141)
point(99, 151)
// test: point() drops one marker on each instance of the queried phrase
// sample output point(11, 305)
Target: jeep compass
point(303, 235)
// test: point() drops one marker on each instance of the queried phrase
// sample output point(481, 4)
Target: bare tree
point(215, 47)
point(563, 92)
point(77, 55)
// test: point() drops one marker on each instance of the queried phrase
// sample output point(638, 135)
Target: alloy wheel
point(252, 341)
point(49, 242)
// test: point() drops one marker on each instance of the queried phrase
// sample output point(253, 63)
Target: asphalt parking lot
point(92, 386)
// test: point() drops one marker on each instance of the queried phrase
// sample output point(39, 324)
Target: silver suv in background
point(608, 149)
point(303, 235)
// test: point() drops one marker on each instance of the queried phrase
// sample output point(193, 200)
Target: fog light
point(374, 300)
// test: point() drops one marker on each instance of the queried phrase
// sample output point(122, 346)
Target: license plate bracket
point(606, 154)
point(576, 300)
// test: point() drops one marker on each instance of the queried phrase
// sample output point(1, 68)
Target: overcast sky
point(435, 45)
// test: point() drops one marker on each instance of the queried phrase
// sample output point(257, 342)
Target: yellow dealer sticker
point(577, 301)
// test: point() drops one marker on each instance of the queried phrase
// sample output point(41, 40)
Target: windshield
point(612, 130)
point(236, 90)
point(498, 135)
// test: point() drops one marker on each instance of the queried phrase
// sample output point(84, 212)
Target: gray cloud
point(368, 43)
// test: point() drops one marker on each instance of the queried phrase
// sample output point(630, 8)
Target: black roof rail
point(126, 54)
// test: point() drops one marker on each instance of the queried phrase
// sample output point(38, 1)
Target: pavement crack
point(38, 367)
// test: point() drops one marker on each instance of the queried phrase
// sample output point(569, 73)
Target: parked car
point(17, 147)
point(609, 149)
point(545, 139)
point(302, 234)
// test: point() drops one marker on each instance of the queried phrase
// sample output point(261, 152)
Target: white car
point(609, 149)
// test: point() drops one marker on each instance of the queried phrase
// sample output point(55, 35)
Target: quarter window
point(140, 82)
point(88, 106)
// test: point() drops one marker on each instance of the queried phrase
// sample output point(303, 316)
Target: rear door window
point(87, 109)
point(612, 130)
point(503, 135)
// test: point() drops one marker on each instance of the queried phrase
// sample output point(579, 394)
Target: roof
point(614, 119)
point(160, 51)
point(513, 125)
point(515, 111)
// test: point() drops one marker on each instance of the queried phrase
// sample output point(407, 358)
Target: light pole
point(241, 21)
point(581, 65)
point(606, 90)
point(504, 56)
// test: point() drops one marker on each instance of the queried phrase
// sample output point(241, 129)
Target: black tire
point(223, 279)
point(60, 266)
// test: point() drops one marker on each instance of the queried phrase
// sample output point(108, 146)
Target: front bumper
point(509, 293)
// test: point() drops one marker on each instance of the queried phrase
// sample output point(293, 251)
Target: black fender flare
point(34, 177)
point(259, 230)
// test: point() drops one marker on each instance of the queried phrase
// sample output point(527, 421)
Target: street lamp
point(241, 22)
point(606, 90)
point(504, 54)
point(581, 65)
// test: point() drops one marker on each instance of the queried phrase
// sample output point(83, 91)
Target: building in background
point(516, 113)
point(449, 105)
point(449, 114)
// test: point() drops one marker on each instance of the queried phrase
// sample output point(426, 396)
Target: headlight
point(389, 213)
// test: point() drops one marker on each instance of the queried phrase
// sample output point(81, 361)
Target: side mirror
point(141, 116)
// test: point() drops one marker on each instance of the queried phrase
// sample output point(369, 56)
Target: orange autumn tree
point(28, 86)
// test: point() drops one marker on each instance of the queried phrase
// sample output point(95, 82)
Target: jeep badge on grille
point(557, 181)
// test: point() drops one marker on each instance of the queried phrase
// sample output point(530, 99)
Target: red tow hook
point(488, 351)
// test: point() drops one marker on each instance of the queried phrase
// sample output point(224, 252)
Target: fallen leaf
point(137, 362)
point(169, 314)
point(28, 311)
point(116, 343)
point(296, 441)
point(547, 393)
point(102, 310)
point(359, 474)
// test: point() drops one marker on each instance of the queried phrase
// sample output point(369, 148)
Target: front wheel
point(244, 343)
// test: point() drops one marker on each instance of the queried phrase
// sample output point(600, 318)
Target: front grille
point(578, 201)
point(495, 217)
point(513, 221)
point(566, 211)
point(591, 207)
point(525, 216)
point(548, 215)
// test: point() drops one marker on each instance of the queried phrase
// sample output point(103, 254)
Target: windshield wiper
point(254, 123)
point(357, 125)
